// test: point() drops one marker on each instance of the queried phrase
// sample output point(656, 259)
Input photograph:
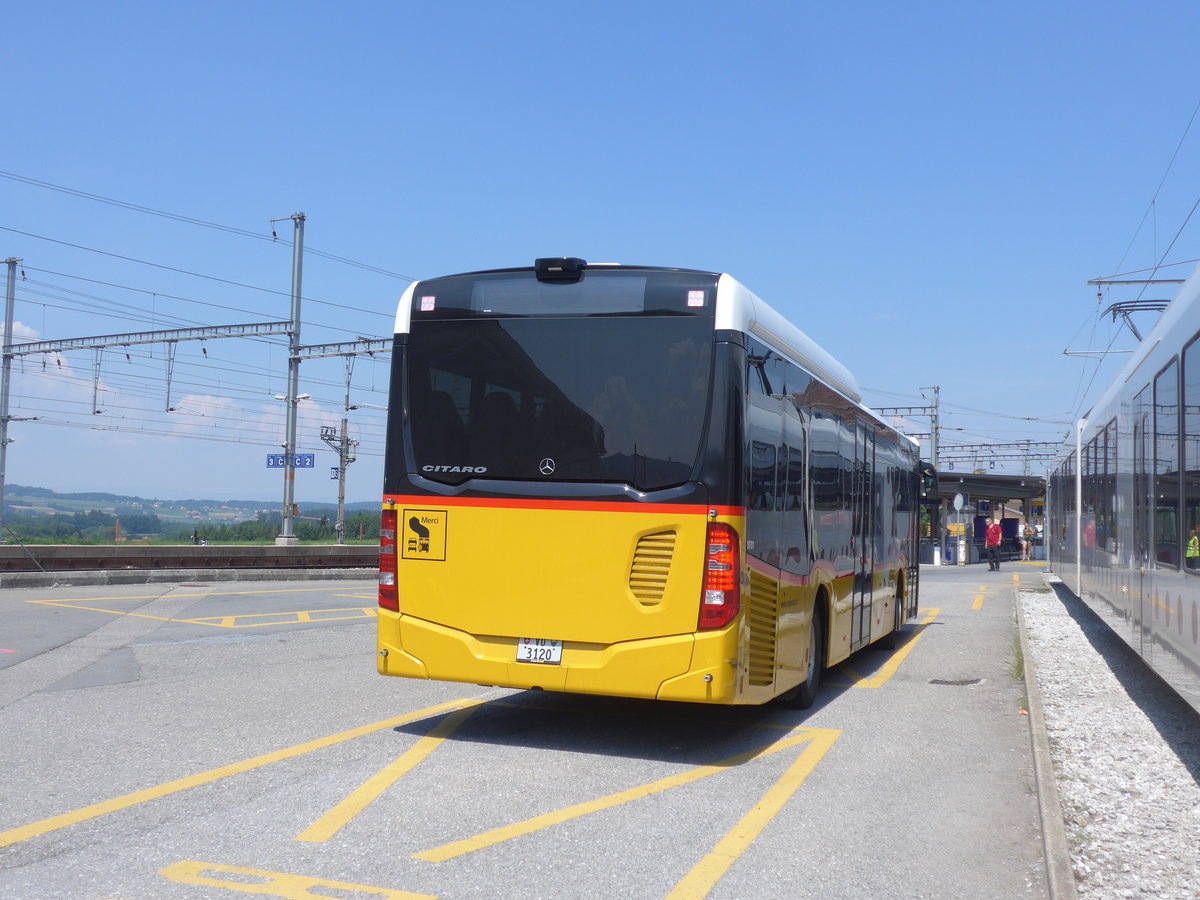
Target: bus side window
point(762, 476)
point(795, 520)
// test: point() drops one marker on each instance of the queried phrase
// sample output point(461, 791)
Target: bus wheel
point(803, 694)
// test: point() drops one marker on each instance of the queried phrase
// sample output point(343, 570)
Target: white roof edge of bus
point(1165, 324)
point(404, 310)
point(740, 309)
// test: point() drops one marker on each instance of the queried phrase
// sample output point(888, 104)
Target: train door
point(863, 544)
point(1139, 604)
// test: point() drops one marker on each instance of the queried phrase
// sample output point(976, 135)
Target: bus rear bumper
point(685, 667)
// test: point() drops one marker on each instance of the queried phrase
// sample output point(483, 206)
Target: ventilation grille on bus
point(764, 616)
point(651, 566)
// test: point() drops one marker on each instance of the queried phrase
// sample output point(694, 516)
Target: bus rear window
point(600, 292)
point(611, 399)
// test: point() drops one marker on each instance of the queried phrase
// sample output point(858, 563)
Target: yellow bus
point(633, 481)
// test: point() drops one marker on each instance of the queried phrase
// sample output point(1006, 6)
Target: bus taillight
point(721, 596)
point(389, 598)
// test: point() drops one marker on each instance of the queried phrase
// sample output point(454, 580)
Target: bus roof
point(737, 309)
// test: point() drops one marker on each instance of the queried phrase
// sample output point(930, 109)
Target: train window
point(1141, 474)
point(1191, 453)
point(1110, 485)
point(1166, 466)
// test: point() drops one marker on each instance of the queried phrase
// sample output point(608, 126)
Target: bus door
point(862, 544)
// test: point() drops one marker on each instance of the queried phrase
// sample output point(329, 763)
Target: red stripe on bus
point(564, 505)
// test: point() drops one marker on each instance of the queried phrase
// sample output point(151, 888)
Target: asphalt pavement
point(212, 740)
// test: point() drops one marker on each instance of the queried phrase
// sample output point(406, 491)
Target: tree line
point(96, 527)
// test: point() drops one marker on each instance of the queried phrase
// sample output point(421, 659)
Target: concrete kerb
point(1060, 876)
point(169, 576)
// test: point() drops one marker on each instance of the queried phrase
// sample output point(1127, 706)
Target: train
point(1123, 499)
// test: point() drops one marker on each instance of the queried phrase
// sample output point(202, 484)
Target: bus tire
point(804, 694)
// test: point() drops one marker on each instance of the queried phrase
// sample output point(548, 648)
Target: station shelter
point(1013, 500)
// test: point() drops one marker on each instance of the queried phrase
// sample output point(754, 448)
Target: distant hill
point(23, 500)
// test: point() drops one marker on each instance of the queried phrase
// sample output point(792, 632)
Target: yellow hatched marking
point(298, 617)
point(294, 617)
point(274, 884)
point(537, 823)
point(212, 589)
point(73, 604)
point(334, 820)
point(888, 669)
point(704, 877)
point(54, 823)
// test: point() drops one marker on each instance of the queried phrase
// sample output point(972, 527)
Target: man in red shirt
point(991, 538)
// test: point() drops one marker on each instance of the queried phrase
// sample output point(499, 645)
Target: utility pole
point(287, 535)
point(345, 451)
point(344, 447)
point(10, 293)
point(343, 444)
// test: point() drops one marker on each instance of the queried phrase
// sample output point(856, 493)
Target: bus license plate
point(539, 650)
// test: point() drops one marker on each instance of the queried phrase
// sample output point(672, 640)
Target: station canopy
point(991, 487)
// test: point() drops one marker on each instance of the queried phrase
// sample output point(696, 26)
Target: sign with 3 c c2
point(299, 460)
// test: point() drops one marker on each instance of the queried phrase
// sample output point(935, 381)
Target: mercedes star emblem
point(546, 466)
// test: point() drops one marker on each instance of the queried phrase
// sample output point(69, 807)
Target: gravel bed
point(1126, 753)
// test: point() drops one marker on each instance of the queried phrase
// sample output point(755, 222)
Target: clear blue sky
point(924, 188)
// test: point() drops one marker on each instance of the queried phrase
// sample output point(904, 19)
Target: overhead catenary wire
point(190, 220)
point(1154, 198)
point(1081, 396)
point(178, 271)
point(82, 305)
point(232, 385)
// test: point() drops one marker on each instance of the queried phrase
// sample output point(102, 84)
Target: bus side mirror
point(929, 482)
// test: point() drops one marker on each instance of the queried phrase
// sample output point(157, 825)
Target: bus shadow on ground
point(1170, 714)
point(687, 733)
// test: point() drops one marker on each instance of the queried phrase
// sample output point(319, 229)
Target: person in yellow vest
point(1193, 549)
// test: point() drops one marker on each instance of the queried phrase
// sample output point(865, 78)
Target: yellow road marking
point(537, 823)
point(294, 617)
point(211, 589)
point(54, 823)
point(334, 820)
point(704, 876)
point(888, 669)
point(275, 884)
point(298, 617)
point(978, 604)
